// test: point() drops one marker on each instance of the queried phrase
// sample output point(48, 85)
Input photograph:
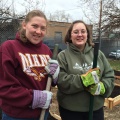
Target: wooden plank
point(106, 103)
point(110, 103)
point(55, 116)
point(116, 100)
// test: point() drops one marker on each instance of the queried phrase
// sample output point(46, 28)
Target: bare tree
point(110, 17)
point(60, 16)
point(5, 12)
point(33, 4)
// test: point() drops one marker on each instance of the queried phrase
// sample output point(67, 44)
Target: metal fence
point(9, 28)
point(110, 45)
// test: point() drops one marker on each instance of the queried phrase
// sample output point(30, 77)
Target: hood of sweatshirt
point(75, 49)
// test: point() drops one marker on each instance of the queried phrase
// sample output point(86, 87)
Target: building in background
point(56, 31)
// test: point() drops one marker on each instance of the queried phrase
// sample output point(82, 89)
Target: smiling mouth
point(79, 39)
point(36, 37)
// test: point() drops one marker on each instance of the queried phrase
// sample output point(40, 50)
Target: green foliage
point(115, 64)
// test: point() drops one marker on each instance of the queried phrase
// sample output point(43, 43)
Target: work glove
point(91, 77)
point(97, 89)
point(41, 99)
point(53, 69)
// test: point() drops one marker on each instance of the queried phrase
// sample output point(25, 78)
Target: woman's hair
point(28, 17)
point(68, 35)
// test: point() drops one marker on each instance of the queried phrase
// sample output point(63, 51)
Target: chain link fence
point(108, 42)
point(110, 45)
point(9, 27)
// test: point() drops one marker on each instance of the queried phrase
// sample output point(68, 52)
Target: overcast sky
point(50, 6)
point(69, 6)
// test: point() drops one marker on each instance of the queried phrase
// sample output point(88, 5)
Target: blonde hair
point(28, 17)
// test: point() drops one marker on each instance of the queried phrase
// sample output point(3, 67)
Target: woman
point(23, 74)
point(77, 80)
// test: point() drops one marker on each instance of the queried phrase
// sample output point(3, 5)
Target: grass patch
point(115, 64)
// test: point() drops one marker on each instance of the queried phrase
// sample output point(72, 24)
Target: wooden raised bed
point(114, 99)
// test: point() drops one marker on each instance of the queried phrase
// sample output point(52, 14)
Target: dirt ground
point(113, 114)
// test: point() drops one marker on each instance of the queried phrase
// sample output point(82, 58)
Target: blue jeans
point(7, 117)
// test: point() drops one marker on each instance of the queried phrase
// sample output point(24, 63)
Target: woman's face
point(35, 29)
point(79, 35)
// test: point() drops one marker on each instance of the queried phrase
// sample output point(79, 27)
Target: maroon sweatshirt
point(21, 72)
